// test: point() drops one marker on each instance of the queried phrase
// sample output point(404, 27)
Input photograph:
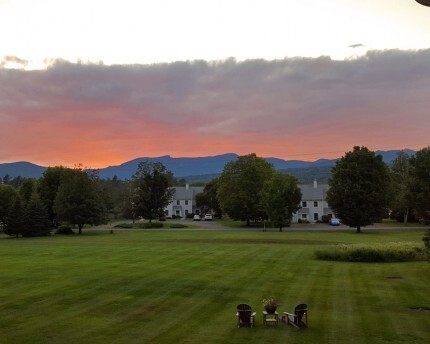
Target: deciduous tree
point(151, 189)
point(420, 183)
point(281, 198)
point(79, 201)
point(359, 187)
point(48, 186)
point(208, 198)
point(240, 185)
point(400, 180)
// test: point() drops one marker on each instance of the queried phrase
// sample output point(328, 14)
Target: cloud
point(358, 45)
point(99, 114)
point(11, 61)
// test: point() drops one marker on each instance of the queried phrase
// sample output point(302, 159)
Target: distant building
point(313, 204)
point(184, 201)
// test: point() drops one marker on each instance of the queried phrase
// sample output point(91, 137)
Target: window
point(304, 216)
point(304, 204)
point(186, 202)
point(178, 202)
point(186, 212)
point(315, 203)
point(315, 216)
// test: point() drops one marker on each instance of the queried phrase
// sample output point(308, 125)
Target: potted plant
point(270, 305)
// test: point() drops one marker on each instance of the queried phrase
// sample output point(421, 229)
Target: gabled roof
point(311, 193)
point(181, 192)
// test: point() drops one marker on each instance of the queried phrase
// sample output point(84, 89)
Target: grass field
point(182, 286)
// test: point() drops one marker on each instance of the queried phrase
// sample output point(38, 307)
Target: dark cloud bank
point(381, 91)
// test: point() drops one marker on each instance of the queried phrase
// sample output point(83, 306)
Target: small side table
point(270, 318)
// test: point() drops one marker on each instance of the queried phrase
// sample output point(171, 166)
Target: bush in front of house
point(389, 252)
point(64, 230)
point(190, 216)
point(325, 218)
point(149, 225)
point(124, 225)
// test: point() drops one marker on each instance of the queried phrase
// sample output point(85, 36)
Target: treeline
point(30, 207)
point(363, 189)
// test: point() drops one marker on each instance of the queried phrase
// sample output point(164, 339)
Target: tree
point(400, 195)
point(48, 187)
point(7, 197)
point(16, 223)
point(208, 198)
point(26, 190)
point(240, 185)
point(420, 183)
point(36, 218)
point(359, 188)
point(281, 198)
point(79, 201)
point(151, 189)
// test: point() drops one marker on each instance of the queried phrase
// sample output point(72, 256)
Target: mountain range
point(195, 169)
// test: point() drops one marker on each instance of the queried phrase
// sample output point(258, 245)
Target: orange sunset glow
point(305, 82)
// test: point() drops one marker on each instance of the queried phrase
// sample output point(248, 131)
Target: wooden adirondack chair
point(245, 315)
point(300, 317)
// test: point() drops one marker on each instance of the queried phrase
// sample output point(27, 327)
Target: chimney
point(315, 184)
point(187, 186)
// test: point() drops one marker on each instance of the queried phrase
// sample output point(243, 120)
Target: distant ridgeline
point(198, 170)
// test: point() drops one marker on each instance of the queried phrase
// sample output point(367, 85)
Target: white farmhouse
point(184, 201)
point(313, 204)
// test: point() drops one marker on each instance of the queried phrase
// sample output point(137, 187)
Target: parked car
point(208, 217)
point(196, 217)
point(334, 222)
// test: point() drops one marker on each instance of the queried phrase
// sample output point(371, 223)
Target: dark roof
point(181, 192)
point(310, 193)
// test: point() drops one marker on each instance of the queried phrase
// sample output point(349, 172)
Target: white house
point(313, 204)
point(184, 201)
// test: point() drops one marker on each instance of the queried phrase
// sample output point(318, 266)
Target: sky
point(103, 82)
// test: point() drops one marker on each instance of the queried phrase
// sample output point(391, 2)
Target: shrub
point(177, 225)
point(64, 230)
point(426, 240)
point(325, 218)
point(190, 216)
point(124, 225)
point(149, 225)
point(390, 252)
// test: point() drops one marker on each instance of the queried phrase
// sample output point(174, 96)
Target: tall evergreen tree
point(7, 196)
point(17, 220)
point(36, 217)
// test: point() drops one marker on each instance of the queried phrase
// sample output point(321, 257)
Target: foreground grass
point(183, 287)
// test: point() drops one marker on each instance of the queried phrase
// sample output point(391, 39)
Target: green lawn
point(183, 287)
